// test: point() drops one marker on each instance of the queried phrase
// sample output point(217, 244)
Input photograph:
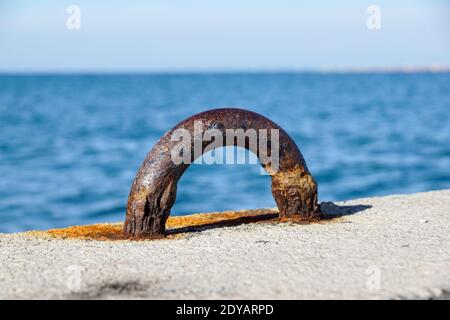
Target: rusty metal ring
point(154, 188)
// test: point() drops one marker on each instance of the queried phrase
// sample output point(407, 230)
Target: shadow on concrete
point(226, 223)
point(329, 209)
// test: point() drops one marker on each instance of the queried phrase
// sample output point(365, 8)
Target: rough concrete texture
point(388, 247)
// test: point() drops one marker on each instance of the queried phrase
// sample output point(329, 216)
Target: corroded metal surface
point(154, 188)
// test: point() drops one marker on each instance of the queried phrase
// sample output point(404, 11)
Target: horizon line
point(318, 70)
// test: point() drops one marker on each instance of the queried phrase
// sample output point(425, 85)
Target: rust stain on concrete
point(177, 226)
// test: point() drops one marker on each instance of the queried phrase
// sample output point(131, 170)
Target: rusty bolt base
point(295, 193)
point(154, 188)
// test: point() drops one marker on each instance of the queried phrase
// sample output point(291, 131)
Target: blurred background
point(87, 88)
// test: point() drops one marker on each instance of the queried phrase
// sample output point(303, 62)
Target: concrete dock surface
point(393, 247)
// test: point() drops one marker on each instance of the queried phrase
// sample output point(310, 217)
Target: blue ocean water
point(70, 145)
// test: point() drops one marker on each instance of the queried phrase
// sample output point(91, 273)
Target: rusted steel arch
point(154, 188)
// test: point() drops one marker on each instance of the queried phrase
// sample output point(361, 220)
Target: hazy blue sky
point(189, 35)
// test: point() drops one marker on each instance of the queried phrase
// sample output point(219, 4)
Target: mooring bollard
point(154, 188)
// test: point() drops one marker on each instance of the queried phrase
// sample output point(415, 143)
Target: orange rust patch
point(176, 225)
point(91, 232)
point(225, 217)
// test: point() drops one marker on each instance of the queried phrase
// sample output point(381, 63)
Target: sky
point(231, 35)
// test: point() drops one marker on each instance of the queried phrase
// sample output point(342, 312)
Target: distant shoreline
point(433, 69)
